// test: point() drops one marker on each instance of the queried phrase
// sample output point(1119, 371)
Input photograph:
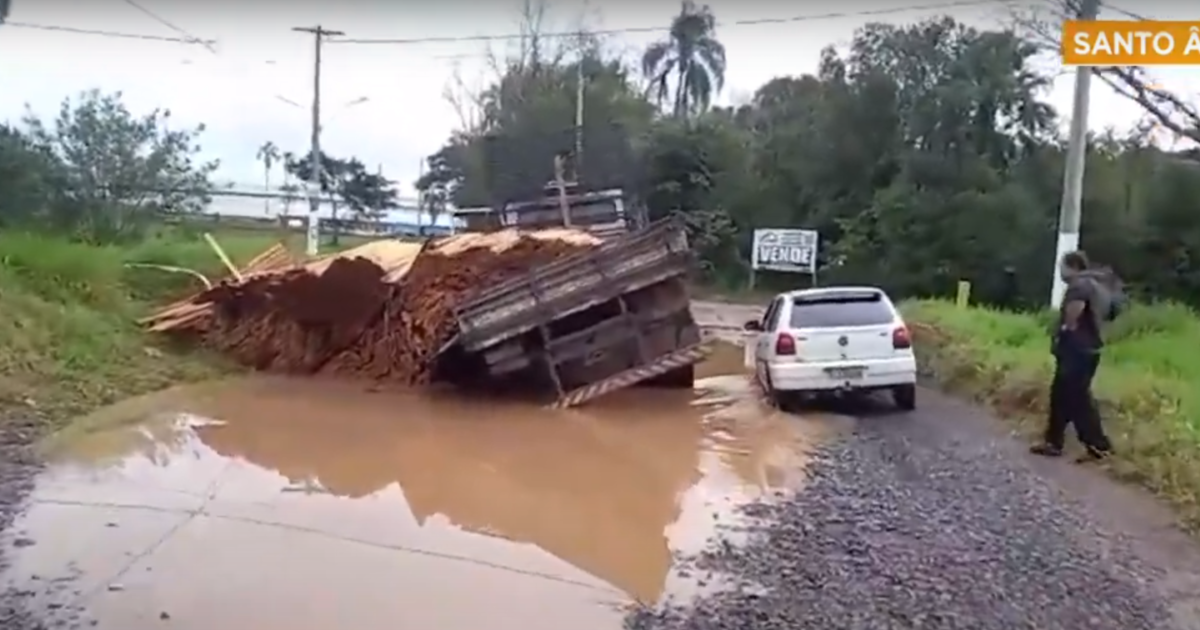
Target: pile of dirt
point(380, 311)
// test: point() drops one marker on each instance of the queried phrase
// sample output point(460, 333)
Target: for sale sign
point(785, 250)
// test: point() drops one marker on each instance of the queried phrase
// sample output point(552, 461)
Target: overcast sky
point(240, 90)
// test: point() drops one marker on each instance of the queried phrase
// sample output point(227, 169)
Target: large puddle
point(300, 504)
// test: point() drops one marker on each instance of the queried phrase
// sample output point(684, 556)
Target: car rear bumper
point(879, 373)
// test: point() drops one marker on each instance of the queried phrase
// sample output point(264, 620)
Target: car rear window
point(857, 309)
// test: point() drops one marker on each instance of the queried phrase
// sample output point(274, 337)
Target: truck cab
point(603, 212)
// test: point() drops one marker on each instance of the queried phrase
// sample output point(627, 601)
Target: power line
point(102, 33)
point(1126, 13)
point(161, 20)
point(208, 44)
point(659, 29)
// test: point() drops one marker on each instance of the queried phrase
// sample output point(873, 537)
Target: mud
point(272, 502)
point(18, 467)
point(400, 344)
point(352, 318)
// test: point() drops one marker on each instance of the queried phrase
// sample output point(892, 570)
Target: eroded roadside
point(19, 465)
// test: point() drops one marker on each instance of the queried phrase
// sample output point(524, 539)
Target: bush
point(1147, 383)
point(68, 333)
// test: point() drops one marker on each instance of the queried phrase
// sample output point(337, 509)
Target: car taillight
point(900, 339)
point(785, 344)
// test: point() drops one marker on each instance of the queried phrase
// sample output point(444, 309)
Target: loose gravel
point(896, 529)
point(18, 467)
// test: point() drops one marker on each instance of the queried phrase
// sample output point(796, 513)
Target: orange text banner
point(1124, 43)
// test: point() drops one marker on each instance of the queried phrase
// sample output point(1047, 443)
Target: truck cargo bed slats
point(574, 284)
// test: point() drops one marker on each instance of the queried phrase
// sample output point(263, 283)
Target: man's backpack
point(1109, 299)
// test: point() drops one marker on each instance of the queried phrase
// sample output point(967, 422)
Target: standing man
point(1077, 346)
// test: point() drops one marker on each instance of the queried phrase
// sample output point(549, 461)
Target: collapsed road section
point(589, 323)
point(557, 310)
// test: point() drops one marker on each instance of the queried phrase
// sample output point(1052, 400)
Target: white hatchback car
point(833, 339)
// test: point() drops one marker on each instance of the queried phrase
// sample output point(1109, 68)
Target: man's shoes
point(1094, 455)
point(1046, 450)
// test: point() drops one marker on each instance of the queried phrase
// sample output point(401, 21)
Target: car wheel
point(789, 402)
point(768, 388)
point(905, 396)
point(779, 400)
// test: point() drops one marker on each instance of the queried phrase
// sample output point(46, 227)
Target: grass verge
point(1148, 384)
point(69, 341)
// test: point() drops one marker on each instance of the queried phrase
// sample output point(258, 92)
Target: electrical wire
point(1125, 12)
point(161, 20)
point(208, 44)
point(660, 29)
point(103, 33)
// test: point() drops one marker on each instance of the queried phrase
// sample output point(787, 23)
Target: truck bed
point(571, 285)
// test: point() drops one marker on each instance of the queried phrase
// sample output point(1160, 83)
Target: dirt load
point(382, 310)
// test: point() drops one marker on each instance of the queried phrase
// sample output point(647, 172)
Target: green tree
point(693, 55)
point(923, 155)
point(367, 195)
point(112, 172)
point(526, 116)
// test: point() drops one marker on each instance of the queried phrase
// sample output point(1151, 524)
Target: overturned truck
point(584, 325)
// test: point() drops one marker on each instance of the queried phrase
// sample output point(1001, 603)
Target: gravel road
point(934, 520)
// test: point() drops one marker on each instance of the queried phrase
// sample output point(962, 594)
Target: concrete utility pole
point(1070, 211)
point(579, 95)
point(579, 113)
point(314, 194)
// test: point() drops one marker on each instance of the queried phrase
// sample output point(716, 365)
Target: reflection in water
point(598, 497)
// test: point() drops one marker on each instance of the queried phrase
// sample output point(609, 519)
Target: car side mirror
point(752, 326)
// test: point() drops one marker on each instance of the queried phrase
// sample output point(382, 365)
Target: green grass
point(1148, 383)
point(69, 341)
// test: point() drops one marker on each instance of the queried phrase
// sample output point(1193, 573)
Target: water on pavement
point(273, 503)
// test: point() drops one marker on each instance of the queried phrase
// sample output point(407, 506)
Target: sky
point(385, 103)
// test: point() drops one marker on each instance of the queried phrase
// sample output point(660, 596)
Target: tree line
point(925, 154)
point(100, 173)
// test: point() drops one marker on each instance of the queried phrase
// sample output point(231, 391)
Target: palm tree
point(693, 55)
point(268, 154)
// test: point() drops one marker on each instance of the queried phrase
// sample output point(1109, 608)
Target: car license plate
point(846, 372)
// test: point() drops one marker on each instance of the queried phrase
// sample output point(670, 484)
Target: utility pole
point(579, 114)
point(579, 93)
point(1070, 211)
point(314, 194)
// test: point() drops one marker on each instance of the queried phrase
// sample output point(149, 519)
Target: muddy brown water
point(271, 503)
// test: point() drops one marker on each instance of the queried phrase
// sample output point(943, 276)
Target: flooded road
point(269, 502)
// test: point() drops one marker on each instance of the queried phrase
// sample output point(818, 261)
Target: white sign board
point(785, 250)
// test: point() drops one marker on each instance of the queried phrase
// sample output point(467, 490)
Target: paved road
point(940, 519)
